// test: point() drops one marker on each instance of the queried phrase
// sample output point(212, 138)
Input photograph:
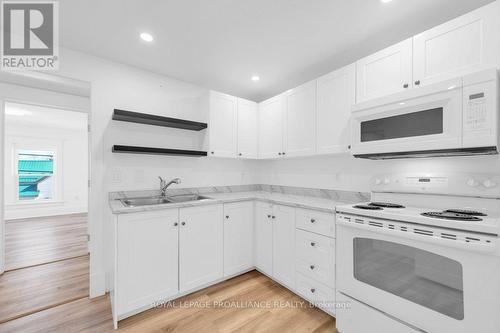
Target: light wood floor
point(41, 240)
point(94, 315)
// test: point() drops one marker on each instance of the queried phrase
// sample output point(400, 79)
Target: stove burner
point(367, 207)
point(465, 212)
point(451, 216)
point(385, 205)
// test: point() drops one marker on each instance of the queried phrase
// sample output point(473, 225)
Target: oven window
point(403, 126)
point(422, 277)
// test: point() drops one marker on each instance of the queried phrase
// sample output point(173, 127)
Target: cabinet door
point(247, 129)
point(263, 238)
point(201, 246)
point(152, 236)
point(271, 128)
point(385, 72)
point(284, 245)
point(464, 45)
point(335, 96)
point(300, 120)
point(222, 125)
point(238, 237)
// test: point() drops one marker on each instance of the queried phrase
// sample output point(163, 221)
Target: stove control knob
point(488, 183)
point(378, 181)
point(472, 182)
point(386, 181)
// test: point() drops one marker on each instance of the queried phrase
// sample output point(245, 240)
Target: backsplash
point(337, 195)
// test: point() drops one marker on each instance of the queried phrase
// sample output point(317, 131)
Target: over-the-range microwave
point(456, 117)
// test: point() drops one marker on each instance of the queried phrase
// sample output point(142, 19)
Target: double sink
point(159, 200)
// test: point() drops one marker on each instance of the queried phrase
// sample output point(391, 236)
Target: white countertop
point(323, 204)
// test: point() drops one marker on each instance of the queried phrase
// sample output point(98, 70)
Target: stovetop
point(448, 217)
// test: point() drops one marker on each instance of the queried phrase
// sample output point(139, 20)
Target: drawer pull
point(313, 290)
point(313, 220)
point(268, 216)
point(311, 267)
point(313, 244)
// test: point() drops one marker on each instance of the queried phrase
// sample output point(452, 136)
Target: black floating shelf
point(157, 151)
point(150, 119)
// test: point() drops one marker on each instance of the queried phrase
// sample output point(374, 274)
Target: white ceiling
point(220, 44)
point(43, 117)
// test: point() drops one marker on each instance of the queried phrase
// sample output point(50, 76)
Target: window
point(35, 169)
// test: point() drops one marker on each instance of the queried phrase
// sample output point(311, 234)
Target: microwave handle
point(485, 248)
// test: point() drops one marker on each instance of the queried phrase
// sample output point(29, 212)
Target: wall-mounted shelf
point(150, 119)
point(157, 151)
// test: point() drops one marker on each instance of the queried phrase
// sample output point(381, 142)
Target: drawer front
point(315, 257)
point(316, 293)
point(318, 222)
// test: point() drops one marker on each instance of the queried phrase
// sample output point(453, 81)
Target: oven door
point(428, 118)
point(434, 284)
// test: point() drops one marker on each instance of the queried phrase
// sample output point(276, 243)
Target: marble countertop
point(323, 204)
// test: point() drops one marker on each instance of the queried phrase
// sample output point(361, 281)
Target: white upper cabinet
point(335, 95)
point(222, 125)
point(300, 120)
point(247, 129)
point(466, 44)
point(385, 72)
point(271, 128)
point(201, 237)
point(238, 237)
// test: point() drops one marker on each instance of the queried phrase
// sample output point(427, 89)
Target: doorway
point(44, 252)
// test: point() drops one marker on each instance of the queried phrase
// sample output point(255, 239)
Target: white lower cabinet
point(238, 237)
point(201, 246)
point(263, 237)
point(316, 293)
point(146, 258)
point(283, 222)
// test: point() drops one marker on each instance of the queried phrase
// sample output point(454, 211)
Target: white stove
point(422, 256)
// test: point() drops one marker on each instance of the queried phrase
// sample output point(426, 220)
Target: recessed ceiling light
point(385, 1)
point(255, 78)
point(146, 37)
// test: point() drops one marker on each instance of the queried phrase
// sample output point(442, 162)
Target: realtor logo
point(30, 35)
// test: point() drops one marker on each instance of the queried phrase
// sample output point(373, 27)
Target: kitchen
point(257, 181)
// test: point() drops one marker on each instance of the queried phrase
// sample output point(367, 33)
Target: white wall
point(344, 172)
point(72, 164)
point(115, 85)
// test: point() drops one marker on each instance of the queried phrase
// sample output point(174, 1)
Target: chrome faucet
point(164, 185)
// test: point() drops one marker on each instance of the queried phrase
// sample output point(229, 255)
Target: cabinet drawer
point(316, 293)
point(316, 257)
point(318, 222)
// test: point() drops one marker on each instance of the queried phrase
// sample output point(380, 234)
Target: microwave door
point(426, 123)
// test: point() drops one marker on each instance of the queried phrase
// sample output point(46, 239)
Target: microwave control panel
point(476, 112)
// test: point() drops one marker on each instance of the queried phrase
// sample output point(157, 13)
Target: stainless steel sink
point(148, 201)
point(134, 202)
point(186, 197)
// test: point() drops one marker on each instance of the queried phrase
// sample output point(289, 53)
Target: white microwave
point(455, 117)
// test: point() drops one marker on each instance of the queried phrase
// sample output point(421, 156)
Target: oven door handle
point(462, 245)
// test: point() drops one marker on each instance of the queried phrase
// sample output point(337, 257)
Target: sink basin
point(134, 202)
point(186, 197)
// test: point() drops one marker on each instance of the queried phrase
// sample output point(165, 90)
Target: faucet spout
point(164, 185)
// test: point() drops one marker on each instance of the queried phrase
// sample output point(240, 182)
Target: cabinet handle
point(313, 220)
point(279, 154)
point(239, 154)
point(311, 267)
point(283, 153)
point(405, 85)
point(273, 217)
point(183, 223)
point(349, 147)
point(176, 224)
point(268, 216)
point(417, 83)
point(313, 244)
point(212, 152)
point(227, 216)
point(313, 290)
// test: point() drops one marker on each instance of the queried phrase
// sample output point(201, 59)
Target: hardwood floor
point(28, 290)
point(94, 315)
point(41, 240)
